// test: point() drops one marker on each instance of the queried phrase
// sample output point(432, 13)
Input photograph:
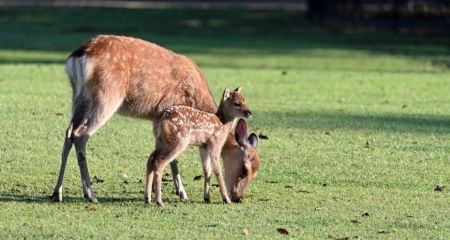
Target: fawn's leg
point(150, 176)
point(179, 189)
point(206, 163)
point(215, 159)
point(68, 142)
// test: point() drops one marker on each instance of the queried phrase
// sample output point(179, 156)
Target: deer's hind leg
point(163, 155)
point(89, 115)
point(68, 142)
point(179, 188)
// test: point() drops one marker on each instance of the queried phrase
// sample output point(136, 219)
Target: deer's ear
point(226, 94)
point(241, 132)
point(253, 140)
point(238, 89)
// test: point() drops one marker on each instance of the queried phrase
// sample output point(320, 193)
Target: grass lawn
point(358, 127)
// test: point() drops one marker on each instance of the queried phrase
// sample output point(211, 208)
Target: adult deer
point(110, 74)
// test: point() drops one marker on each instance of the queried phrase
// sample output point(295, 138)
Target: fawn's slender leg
point(68, 142)
point(215, 159)
point(149, 178)
point(179, 188)
point(156, 167)
point(206, 163)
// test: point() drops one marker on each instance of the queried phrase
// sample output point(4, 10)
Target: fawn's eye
point(237, 104)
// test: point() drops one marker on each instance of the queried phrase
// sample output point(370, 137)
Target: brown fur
point(179, 126)
point(134, 77)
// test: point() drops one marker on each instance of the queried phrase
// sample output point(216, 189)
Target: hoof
point(146, 200)
point(57, 197)
point(207, 200)
point(226, 201)
point(183, 195)
point(160, 204)
point(91, 198)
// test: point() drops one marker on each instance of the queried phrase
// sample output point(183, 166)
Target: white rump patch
point(77, 70)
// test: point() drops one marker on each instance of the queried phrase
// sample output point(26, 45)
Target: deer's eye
point(237, 104)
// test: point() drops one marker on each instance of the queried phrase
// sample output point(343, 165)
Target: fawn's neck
point(225, 119)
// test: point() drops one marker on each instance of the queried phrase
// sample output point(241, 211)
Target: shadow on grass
point(23, 198)
point(198, 31)
point(41, 199)
point(327, 121)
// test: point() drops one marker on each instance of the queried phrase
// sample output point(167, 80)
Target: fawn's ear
point(226, 94)
point(241, 132)
point(238, 89)
point(253, 139)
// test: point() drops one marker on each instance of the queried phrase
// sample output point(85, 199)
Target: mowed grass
point(358, 128)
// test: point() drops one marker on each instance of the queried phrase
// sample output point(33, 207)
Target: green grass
point(357, 123)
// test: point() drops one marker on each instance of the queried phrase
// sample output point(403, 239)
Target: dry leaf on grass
point(283, 231)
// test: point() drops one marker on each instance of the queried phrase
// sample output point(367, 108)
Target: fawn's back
point(188, 123)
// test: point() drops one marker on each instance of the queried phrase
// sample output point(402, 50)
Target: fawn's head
point(233, 105)
point(241, 161)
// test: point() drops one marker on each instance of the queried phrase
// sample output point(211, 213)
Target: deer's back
point(184, 122)
point(151, 77)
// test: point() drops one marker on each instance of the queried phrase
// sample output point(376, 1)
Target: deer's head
point(233, 105)
point(241, 161)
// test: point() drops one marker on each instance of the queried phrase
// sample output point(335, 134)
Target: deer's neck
point(225, 119)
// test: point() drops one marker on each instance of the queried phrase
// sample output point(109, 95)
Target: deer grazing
point(133, 77)
point(179, 126)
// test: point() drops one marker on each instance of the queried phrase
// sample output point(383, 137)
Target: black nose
point(247, 113)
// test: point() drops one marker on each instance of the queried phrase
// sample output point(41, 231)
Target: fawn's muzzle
point(247, 113)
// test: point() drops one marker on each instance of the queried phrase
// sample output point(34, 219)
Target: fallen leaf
point(198, 177)
point(245, 232)
point(439, 188)
point(262, 136)
point(90, 209)
point(354, 221)
point(282, 231)
point(383, 232)
point(366, 214)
